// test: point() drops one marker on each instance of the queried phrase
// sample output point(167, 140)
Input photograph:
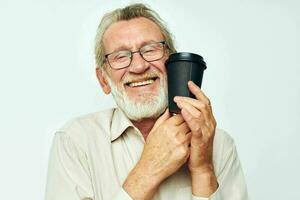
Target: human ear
point(102, 81)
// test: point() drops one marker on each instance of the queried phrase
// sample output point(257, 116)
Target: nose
point(138, 64)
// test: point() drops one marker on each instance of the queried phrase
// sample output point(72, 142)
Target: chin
point(143, 103)
point(145, 98)
point(143, 106)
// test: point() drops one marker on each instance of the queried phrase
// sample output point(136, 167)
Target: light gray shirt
point(92, 155)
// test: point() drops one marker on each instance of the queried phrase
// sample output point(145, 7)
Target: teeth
point(136, 84)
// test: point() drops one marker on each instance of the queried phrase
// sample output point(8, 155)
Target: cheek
point(116, 76)
point(160, 65)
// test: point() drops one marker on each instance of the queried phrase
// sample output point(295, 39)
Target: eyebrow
point(125, 48)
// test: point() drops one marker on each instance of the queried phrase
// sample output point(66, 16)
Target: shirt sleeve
point(68, 171)
point(122, 195)
point(214, 196)
point(69, 176)
point(232, 185)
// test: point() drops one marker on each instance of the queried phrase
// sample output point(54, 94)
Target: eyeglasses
point(150, 52)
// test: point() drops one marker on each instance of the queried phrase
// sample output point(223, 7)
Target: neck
point(145, 126)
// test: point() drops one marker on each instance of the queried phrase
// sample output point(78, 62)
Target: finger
point(165, 116)
point(188, 137)
point(181, 132)
point(198, 93)
point(194, 124)
point(205, 110)
point(194, 113)
point(184, 128)
point(187, 143)
point(176, 119)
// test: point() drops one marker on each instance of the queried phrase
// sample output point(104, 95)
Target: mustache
point(135, 78)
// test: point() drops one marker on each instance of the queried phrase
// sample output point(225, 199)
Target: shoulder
point(223, 139)
point(88, 127)
point(99, 119)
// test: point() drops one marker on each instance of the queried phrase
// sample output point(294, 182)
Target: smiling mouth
point(139, 83)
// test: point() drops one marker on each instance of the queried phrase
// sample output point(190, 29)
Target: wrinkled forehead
point(131, 34)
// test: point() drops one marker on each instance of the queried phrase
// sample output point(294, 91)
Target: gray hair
point(129, 12)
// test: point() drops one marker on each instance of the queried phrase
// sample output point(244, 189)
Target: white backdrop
point(251, 48)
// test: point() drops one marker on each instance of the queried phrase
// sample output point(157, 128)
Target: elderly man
point(139, 150)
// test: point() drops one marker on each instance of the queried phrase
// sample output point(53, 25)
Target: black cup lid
point(186, 56)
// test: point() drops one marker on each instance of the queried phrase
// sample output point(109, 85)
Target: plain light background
point(251, 48)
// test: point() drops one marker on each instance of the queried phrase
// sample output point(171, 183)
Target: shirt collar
point(119, 124)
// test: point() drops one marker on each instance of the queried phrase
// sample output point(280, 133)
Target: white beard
point(146, 105)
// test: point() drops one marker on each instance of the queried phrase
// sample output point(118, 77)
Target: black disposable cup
point(181, 68)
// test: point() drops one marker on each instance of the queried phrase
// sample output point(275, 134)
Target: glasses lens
point(119, 59)
point(153, 51)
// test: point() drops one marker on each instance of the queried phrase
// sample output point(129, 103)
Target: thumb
point(161, 119)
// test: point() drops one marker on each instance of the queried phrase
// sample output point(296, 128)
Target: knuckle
point(196, 127)
point(206, 106)
point(177, 141)
point(198, 135)
point(202, 105)
point(198, 115)
point(182, 150)
point(207, 103)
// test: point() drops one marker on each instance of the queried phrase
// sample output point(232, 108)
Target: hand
point(198, 115)
point(167, 145)
point(165, 151)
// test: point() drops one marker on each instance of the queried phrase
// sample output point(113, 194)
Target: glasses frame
point(163, 42)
